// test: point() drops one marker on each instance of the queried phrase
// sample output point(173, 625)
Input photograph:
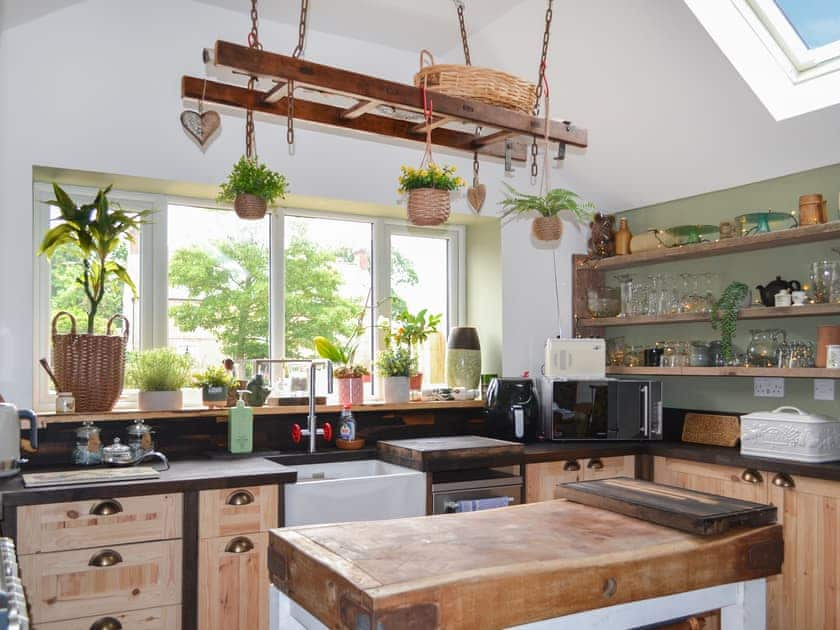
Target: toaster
point(577, 359)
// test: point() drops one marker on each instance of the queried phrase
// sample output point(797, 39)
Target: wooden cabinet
point(543, 478)
point(727, 481)
point(227, 512)
point(166, 618)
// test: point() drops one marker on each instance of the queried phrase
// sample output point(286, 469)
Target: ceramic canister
point(463, 358)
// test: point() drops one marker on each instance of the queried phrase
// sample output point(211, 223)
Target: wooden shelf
point(221, 414)
point(760, 312)
point(769, 240)
point(726, 371)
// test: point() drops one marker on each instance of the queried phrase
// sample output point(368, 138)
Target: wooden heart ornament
point(200, 125)
point(476, 196)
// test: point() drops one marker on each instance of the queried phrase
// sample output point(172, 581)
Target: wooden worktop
point(500, 568)
point(457, 452)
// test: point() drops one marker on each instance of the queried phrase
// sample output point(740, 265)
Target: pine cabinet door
point(727, 481)
point(542, 479)
point(607, 467)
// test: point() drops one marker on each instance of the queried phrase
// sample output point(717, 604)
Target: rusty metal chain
point(304, 11)
point(254, 35)
point(475, 159)
point(459, 4)
point(549, 14)
point(253, 42)
point(290, 86)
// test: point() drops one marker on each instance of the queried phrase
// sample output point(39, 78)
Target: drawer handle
point(107, 558)
point(751, 476)
point(240, 497)
point(571, 465)
point(239, 544)
point(106, 623)
point(783, 481)
point(107, 507)
point(595, 464)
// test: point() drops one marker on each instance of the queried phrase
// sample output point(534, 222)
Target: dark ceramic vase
point(463, 358)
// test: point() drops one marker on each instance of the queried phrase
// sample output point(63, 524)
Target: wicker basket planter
point(248, 206)
point(547, 228)
point(428, 206)
point(91, 367)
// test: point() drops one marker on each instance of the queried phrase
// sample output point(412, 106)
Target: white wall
point(96, 86)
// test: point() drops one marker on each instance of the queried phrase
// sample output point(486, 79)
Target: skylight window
point(817, 22)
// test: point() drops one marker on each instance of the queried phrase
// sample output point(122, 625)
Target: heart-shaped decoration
point(200, 126)
point(476, 196)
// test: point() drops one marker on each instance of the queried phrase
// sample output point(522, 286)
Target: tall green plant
point(725, 315)
point(95, 230)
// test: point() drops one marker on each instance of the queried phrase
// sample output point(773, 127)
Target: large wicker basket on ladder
point(91, 367)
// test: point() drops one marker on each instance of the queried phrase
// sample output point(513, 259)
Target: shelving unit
point(725, 371)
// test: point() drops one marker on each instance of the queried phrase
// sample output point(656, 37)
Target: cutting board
point(450, 453)
point(89, 475)
point(687, 510)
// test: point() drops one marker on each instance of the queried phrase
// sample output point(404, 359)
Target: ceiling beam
point(438, 122)
point(359, 109)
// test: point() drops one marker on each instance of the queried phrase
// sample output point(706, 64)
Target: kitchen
point(113, 118)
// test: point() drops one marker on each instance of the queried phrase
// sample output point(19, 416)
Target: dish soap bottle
point(347, 425)
point(241, 426)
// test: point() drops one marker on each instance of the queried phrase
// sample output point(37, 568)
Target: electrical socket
point(769, 387)
point(823, 389)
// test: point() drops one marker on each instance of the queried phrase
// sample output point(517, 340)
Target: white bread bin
point(790, 433)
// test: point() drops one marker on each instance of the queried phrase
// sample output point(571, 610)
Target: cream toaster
point(575, 358)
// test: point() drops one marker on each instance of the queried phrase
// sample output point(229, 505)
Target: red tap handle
point(296, 433)
point(328, 432)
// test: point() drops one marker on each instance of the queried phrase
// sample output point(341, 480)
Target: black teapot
point(768, 293)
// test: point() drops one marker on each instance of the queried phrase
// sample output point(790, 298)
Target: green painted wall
point(484, 290)
point(780, 194)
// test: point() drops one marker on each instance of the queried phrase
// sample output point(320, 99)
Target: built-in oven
point(474, 490)
point(603, 409)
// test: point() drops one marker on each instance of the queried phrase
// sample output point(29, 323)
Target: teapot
point(768, 293)
point(10, 417)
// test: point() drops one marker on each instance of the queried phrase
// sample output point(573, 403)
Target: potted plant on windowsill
point(547, 225)
point(159, 374)
point(252, 186)
point(429, 192)
point(395, 364)
point(349, 374)
point(214, 382)
point(413, 331)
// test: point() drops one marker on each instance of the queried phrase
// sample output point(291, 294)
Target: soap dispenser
point(241, 426)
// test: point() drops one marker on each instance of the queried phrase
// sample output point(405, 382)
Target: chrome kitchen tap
point(312, 431)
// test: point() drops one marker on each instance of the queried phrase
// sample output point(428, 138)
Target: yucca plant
point(95, 230)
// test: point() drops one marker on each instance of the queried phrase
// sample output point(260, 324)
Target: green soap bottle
point(241, 426)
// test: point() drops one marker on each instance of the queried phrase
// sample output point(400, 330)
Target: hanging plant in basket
point(547, 225)
point(252, 186)
point(429, 190)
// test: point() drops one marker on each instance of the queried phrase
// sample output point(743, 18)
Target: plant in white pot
point(348, 373)
point(251, 187)
point(215, 381)
point(159, 375)
point(547, 225)
point(395, 364)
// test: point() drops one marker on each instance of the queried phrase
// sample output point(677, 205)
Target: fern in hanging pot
point(547, 225)
point(252, 186)
point(429, 190)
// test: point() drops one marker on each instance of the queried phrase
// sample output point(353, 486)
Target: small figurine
point(258, 391)
point(602, 241)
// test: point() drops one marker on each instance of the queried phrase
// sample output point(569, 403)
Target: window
point(216, 287)
point(817, 22)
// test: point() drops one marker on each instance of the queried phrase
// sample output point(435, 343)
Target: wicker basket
point(428, 206)
point(90, 366)
point(250, 206)
point(547, 228)
point(479, 84)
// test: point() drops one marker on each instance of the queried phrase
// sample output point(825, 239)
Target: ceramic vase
point(463, 358)
point(160, 401)
point(395, 389)
point(350, 391)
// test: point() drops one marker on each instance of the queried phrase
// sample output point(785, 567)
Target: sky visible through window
point(816, 21)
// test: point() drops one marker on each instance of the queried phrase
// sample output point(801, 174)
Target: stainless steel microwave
point(604, 409)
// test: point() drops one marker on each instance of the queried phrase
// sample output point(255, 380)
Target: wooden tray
point(707, 428)
point(685, 510)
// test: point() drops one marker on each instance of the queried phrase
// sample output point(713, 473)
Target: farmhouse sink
point(364, 490)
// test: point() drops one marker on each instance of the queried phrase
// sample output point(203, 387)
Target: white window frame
point(153, 286)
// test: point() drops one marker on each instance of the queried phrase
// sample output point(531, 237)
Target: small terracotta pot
point(547, 228)
point(415, 381)
point(350, 391)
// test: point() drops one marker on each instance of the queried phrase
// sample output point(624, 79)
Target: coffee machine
point(513, 411)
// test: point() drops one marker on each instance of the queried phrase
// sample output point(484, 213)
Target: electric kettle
point(10, 417)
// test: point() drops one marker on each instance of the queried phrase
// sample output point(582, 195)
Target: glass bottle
point(622, 238)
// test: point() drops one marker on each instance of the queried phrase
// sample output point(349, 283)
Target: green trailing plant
point(551, 204)
point(252, 177)
point(214, 376)
point(725, 315)
point(434, 176)
point(95, 230)
point(396, 361)
point(158, 370)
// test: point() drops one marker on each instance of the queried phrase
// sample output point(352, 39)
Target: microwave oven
point(601, 409)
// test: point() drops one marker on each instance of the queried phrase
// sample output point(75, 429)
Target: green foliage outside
point(158, 370)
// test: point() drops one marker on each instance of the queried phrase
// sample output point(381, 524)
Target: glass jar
point(824, 275)
point(763, 349)
point(615, 351)
point(699, 354)
point(634, 356)
point(88, 448)
point(139, 438)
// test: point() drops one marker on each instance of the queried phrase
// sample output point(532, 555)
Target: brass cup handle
point(108, 507)
point(106, 623)
point(751, 476)
point(240, 497)
point(240, 544)
point(106, 558)
point(783, 480)
point(595, 464)
point(571, 465)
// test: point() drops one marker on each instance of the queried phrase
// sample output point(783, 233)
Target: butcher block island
point(555, 564)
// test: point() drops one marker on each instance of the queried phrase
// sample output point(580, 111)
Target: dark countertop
point(450, 453)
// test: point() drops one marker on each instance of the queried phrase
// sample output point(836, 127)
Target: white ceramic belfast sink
point(365, 490)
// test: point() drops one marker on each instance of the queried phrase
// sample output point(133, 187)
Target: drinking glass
point(634, 356)
point(824, 275)
point(627, 288)
point(615, 351)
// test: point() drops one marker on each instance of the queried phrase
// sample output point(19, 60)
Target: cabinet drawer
point(97, 582)
point(233, 582)
point(167, 618)
point(607, 467)
point(231, 511)
point(93, 523)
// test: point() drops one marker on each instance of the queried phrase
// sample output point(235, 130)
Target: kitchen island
point(548, 564)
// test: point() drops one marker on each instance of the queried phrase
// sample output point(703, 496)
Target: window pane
point(328, 284)
point(817, 22)
point(218, 286)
